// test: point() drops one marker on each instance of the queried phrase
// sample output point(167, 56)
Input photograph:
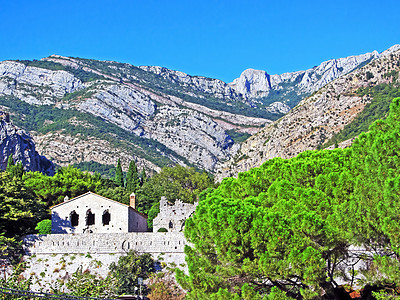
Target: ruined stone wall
point(173, 216)
point(57, 256)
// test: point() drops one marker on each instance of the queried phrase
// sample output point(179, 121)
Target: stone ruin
point(172, 217)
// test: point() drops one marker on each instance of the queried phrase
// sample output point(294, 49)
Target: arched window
point(89, 217)
point(106, 217)
point(171, 225)
point(74, 218)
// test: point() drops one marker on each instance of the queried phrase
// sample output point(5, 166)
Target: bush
point(44, 227)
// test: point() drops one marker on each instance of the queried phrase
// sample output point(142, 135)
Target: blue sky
point(218, 39)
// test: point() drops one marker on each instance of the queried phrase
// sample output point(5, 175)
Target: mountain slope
point(15, 141)
point(316, 119)
point(87, 110)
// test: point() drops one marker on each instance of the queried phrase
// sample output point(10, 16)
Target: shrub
point(44, 227)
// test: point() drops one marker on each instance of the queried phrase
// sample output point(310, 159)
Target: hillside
point(82, 110)
point(336, 113)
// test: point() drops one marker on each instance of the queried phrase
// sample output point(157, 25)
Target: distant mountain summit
point(318, 118)
point(17, 142)
point(289, 88)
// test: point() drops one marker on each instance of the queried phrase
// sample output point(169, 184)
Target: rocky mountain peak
point(318, 117)
point(252, 83)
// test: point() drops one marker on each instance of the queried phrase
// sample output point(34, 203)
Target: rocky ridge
point(189, 134)
point(315, 119)
point(166, 116)
point(17, 142)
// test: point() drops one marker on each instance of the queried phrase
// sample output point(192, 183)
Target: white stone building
point(91, 213)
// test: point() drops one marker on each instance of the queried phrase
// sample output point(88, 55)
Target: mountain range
point(89, 111)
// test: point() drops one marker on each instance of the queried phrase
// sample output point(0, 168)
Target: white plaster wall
point(119, 212)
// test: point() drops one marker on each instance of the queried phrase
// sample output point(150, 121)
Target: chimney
point(132, 200)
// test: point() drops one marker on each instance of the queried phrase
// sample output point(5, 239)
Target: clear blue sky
point(218, 39)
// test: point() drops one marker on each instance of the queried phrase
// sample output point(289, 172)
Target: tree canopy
point(297, 228)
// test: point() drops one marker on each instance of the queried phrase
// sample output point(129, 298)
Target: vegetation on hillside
point(47, 118)
point(381, 96)
point(290, 229)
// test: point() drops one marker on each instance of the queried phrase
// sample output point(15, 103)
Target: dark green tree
point(14, 169)
point(143, 177)
point(132, 178)
point(68, 181)
point(129, 268)
point(119, 175)
point(20, 210)
point(10, 162)
point(177, 182)
point(285, 229)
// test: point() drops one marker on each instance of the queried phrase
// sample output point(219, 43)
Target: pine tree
point(132, 178)
point(119, 176)
point(15, 170)
point(10, 163)
point(143, 177)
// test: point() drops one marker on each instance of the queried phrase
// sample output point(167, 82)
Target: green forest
point(322, 225)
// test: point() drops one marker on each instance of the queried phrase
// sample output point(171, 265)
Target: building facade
point(92, 213)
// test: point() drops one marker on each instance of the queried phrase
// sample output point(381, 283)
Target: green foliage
point(178, 182)
point(9, 249)
point(143, 177)
point(163, 287)
point(132, 178)
point(14, 170)
point(16, 281)
point(369, 75)
point(67, 181)
point(118, 193)
point(281, 230)
point(10, 162)
point(237, 136)
point(119, 175)
point(107, 171)
point(19, 209)
point(153, 212)
point(44, 227)
point(85, 284)
point(129, 268)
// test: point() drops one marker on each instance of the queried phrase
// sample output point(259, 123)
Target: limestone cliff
point(315, 119)
point(17, 142)
point(152, 115)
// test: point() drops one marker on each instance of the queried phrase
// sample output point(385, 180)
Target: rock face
point(315, 120)
point(15, 141)
point(36, 85)
point(153, 115)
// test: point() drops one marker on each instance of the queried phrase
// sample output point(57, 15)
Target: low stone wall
point(56, 256)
